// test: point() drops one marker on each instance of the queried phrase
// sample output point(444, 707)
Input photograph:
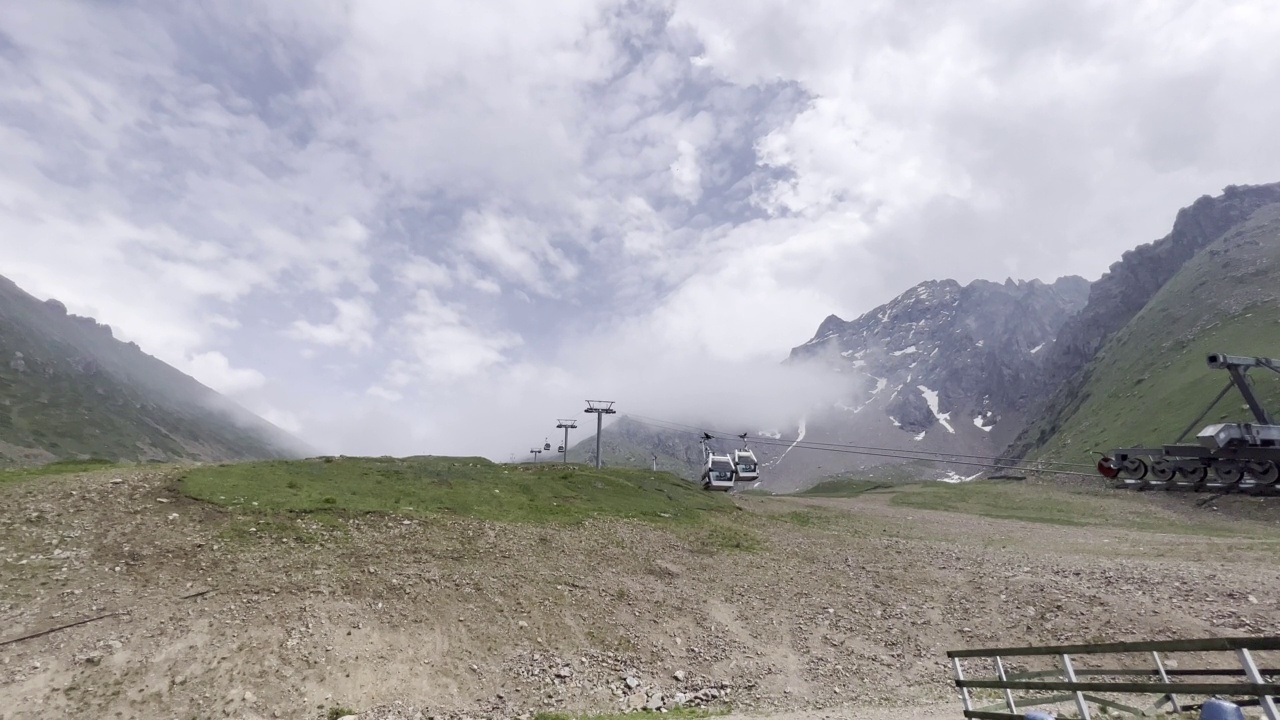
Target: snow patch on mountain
point(954, 477)
point(931, 397)
point(799, 437)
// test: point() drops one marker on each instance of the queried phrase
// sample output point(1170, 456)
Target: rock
point(632, 683)
point(656, 701)
point(679, 676)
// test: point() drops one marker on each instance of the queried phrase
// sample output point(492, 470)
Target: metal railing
point(1258, 688)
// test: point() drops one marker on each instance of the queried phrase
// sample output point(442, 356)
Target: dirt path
point(846, 606)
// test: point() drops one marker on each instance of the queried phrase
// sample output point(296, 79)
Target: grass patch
point(718, 536)
point(456, 487)
point(57, 467)
point(811, 518)
point(1055, 506)
point(846, 487)
point(1002, 500)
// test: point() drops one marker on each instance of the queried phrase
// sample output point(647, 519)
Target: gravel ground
point(845, 612)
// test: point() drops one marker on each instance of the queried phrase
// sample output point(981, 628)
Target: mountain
point(1149, 381)
point(1129, 288)
point(941, 368)
point(628, 442)
point(71, 390)
point(1030, 370)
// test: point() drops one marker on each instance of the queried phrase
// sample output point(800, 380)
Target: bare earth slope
point(843, 608)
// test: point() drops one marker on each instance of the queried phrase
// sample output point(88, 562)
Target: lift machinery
point(1228, 455)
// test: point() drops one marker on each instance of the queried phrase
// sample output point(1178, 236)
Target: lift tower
point(566, 425)
point(600, 408)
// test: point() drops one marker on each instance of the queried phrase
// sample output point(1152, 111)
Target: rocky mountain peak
point(942, 353)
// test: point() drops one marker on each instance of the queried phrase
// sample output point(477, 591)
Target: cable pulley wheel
point(1162, 470)
point(1228, 471)
point(1264, 471)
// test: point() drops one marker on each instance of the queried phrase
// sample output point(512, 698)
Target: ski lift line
point(812, 444)
point(902, 455)
point(943, 454)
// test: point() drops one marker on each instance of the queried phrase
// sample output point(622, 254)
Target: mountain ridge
point(1158, 359)
point(1122, 292)
point(72, 390)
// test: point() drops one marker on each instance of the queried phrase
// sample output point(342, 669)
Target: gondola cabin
point(718, 473)
point(746, 466)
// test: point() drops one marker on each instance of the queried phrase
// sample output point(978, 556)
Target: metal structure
point(600, 408)
point(1085, 687)
point(745, 465)
point(717, 469)
point(567, 425)
point(535, 452)
point(1226, 456)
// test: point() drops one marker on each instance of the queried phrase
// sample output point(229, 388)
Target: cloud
point(351, 328)
point(436, 228)
point(215, 370)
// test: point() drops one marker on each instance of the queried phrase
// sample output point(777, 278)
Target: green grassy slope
point(1150, 380)
point(68, 389)
point(455, 486)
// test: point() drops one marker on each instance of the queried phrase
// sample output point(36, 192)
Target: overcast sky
point(437, 227)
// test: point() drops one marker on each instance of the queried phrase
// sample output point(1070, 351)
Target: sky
point(406, 228)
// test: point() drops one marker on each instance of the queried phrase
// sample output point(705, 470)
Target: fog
point(506, 413)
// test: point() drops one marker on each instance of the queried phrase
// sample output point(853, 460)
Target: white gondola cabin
point(718, 473)
point(746, 467)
